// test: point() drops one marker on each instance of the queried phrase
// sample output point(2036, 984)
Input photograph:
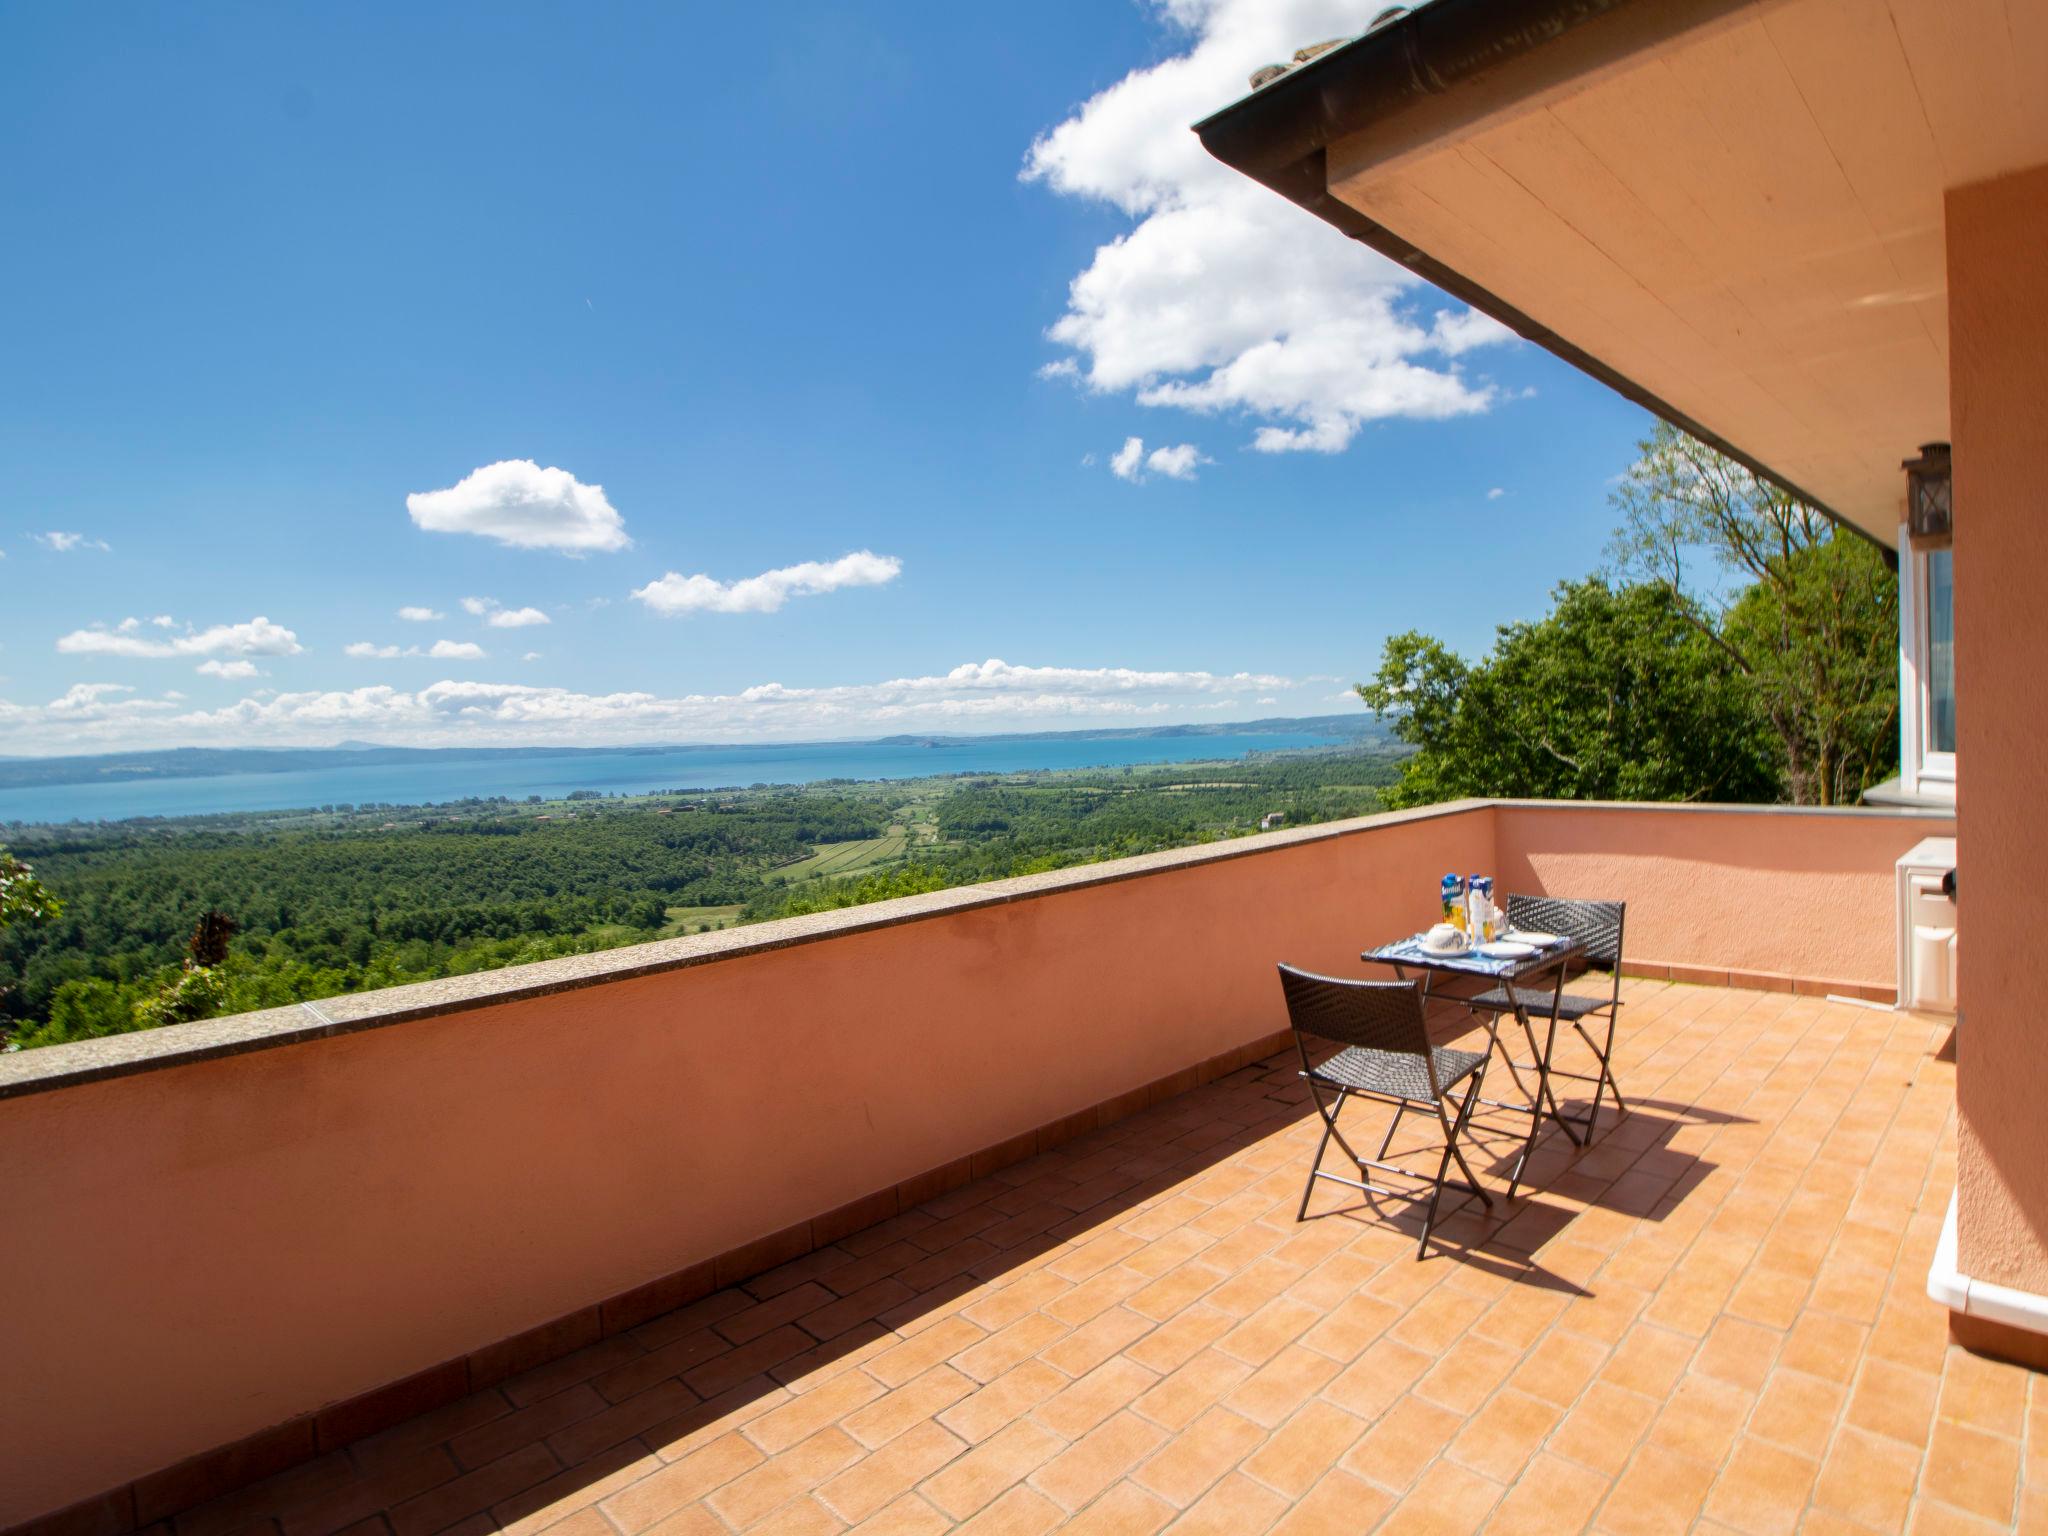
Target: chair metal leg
point(1329, 1118)
point(1606, 1079)
point(1491, 1021)
point(1458, 1130)
point(1393, 1125)
point(1443, 1165)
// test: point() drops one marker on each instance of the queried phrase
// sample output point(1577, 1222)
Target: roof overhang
point(1728, 210)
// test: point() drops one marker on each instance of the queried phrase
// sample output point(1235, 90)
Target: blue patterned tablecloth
point(1409, 951)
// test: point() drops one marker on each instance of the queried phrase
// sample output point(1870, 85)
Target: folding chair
point(1597, 925)
point(1384, 1054)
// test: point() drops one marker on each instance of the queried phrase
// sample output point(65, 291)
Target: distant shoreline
point(213, 782)
point(208, 762)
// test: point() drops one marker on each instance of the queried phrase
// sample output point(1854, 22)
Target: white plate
point(1540, 940)
point(1506, 949)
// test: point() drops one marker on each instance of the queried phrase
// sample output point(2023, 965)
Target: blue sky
point(786, 288)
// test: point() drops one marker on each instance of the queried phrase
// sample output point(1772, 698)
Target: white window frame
point(1923, 772)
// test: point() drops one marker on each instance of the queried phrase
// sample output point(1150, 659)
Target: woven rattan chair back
point(1595, 924)
point(1378, 1015)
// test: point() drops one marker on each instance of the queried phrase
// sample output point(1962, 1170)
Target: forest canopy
point(301, 906)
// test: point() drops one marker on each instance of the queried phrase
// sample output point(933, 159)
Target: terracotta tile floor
point(1710, 1320)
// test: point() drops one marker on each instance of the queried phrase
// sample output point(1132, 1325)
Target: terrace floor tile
point(1710, 1319)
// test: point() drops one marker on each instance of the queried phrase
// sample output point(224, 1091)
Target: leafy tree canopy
point(1739, 648)
point(22, 897)
point(1615, 695)
point(1809, 614)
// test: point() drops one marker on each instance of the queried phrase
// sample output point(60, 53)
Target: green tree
point(1808, 613)
point(22, 897)
point(1615, 695)
point(83, 1010)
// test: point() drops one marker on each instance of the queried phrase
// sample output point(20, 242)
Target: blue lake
point(427, 780)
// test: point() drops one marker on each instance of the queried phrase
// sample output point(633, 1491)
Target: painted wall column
point(1997, 234)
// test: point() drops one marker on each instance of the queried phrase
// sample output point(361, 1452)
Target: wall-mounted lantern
point(1930, 518)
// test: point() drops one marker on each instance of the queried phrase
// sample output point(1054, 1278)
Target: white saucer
point(1506, 949)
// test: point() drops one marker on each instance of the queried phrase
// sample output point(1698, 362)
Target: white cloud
point(65, 543)
point(674, 593)
point(164, 621)
point(518, 503)
point(1495, 494)
point(1457, 331)
point(517, 618)
point(414, 614)
point(531, 656)
point(1131, 462)
point(1223, 296)
point(440, 650)
point(479, 606)
point(257, 637)
point(228, 669)
point(977, 696)
point(1177, 462)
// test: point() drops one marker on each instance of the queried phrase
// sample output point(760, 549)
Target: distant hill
point(213, 762)
point(1359, 727)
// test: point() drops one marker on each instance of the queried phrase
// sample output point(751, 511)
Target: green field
point(847, 858)
point(694, 919)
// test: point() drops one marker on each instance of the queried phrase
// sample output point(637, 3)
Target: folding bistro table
point(1514, 974)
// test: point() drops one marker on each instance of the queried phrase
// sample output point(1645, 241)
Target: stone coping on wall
point(65, 1066)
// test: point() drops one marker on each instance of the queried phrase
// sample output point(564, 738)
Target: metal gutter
point(1279, 136)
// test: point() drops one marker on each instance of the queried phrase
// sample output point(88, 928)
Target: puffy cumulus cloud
point(1177, 462)
point(256, 637)
point(516, 618)
point(518, 503)
point(673, 593)
point(440, 650)
point(975, 696)
point(65, 543)
point(1224, 296)
point(228, 670)
point(478, 606)
point(85, 714)
point(414, 613)
point(1131, 462)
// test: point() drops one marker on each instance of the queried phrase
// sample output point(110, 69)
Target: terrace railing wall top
point(57, 1067)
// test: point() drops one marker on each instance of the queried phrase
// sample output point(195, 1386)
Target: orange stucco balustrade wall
point(1771, 897)
point(207, 1246)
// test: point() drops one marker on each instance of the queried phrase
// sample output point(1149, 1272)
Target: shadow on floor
point(1224, 1161)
